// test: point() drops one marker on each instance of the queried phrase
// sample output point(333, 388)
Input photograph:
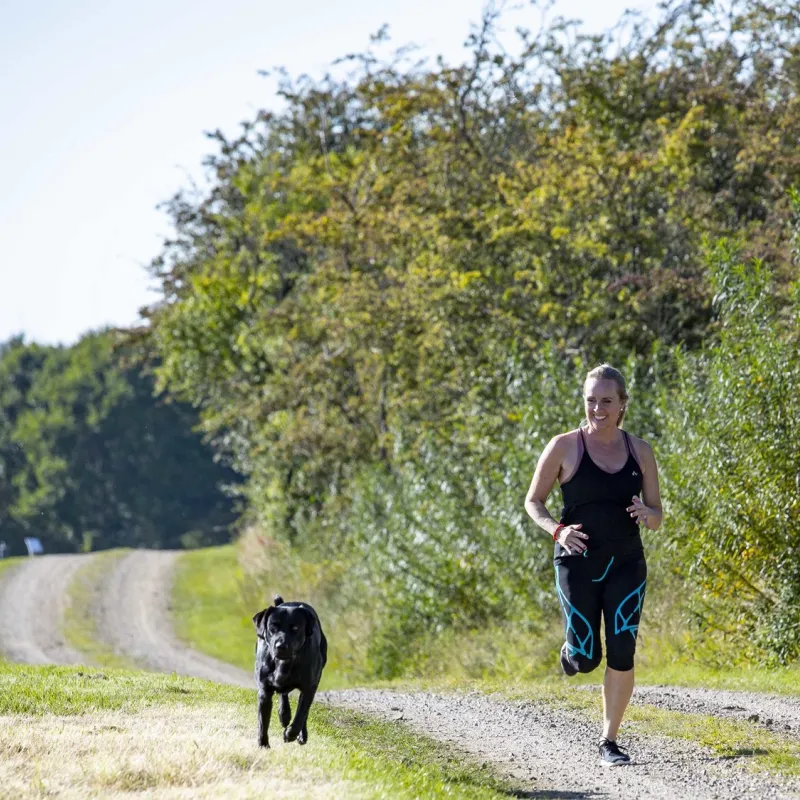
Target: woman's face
point(602, 403)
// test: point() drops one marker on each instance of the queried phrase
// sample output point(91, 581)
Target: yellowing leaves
point(463, 279)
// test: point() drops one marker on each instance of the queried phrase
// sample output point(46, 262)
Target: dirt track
point(549, 751)
point(134, 617)
point(32, 603)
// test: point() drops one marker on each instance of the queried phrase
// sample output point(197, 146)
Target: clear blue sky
point(103, 105)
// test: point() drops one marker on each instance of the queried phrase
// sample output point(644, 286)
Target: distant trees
point(90, 459)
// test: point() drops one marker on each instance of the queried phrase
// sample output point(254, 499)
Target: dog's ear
point(311, 619)
point(277, 600)
point(260, 621)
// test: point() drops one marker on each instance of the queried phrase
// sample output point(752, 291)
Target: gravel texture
point(32, 602)
point(549, 752)
point(778, 713)
point(552, 752)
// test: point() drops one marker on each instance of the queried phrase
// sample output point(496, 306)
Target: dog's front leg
point(298, 725)
point(264, 713)
point(284, 710)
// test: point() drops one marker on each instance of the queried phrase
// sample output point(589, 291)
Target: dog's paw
point(265, 745)
point(290, 734)
point(302, 737)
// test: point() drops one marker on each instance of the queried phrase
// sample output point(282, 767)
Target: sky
point(103, 109)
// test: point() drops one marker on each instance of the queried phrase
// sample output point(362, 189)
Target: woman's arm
point(647, 511)
point(544, 478)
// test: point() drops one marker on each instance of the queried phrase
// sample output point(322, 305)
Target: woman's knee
point(621, 662)
point(585, 664)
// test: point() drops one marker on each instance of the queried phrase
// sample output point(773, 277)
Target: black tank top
point(598, 500)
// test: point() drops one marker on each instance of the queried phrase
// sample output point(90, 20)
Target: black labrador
point(290, 654)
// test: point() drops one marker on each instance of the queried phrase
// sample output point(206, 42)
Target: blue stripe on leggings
point(597, 580)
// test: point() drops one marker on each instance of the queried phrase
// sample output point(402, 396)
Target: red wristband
point(558, 530)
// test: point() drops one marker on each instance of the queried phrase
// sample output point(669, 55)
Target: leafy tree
point(92, 460)
point(19, 364)
point(366, 258)
point(388, 279)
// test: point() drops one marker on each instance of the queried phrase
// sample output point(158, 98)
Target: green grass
point(78, 690)
point(210, 610)
point(145, 731)
point(766, 751)
point(750, 678)
point(405, 764)
point(80, 627)
point(5, 564)
point(214, 604)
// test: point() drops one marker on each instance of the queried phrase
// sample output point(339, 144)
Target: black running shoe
point(612, 755)
point(568, 667)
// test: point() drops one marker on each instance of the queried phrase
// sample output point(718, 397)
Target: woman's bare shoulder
point(638, 441)
point(565, 438)
point(563, 442)
point(641, 447)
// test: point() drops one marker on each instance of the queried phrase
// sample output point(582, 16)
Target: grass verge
point(212, 580)
point(211, 611)
point(86, 732)
point(80, 626)
point(5, 564)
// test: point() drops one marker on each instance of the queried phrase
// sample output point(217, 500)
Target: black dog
point(290, 654)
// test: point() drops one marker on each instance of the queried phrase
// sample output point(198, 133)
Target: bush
point(733, 465)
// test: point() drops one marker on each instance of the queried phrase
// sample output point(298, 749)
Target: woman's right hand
point(572, 539)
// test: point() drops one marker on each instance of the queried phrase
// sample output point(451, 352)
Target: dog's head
point(284, 628)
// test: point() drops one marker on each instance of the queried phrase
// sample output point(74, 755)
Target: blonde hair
point(605, 372)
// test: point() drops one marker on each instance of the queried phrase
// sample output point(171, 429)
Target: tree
point(91, 459)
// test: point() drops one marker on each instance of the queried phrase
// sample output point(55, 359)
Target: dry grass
point(81, 732)
point(160, 752)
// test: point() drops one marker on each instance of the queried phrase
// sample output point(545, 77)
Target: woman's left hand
point(639, 511)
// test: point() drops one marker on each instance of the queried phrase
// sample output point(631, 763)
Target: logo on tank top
point(634, 473)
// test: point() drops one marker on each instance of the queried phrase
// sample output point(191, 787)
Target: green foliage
point(386, 302)
point(734, 461)
point(90, 459)
point(366, 259)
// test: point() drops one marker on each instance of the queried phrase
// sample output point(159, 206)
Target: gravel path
point(778, 713)
point(32, 603)
point(549, 752)
point(552, 752)
point(134, 617)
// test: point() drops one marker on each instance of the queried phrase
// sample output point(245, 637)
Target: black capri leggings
point(613, 586)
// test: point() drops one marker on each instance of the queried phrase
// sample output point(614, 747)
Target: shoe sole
point(615, 763)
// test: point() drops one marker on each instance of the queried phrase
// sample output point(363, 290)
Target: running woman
point(609, 486)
